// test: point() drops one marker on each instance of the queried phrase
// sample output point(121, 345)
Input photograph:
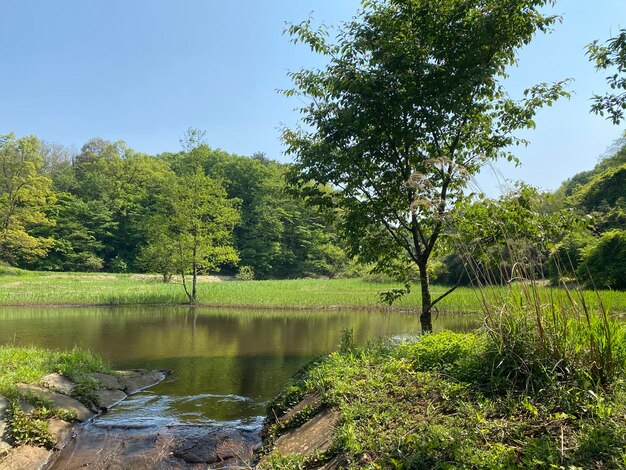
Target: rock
point(59, 401)
point(58, 383)
point(316, 435)
point(108, 381)
point(26, 457)
point(140, 380)
point(156, 448)
point(4, 438)
point(313, 401)
point(107, 398)
point(61, 431)
point(217, 445)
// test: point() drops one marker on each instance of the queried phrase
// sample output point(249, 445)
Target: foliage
point(409, 107)
point(611, 55)
point(451, 400)
point(604, 262)
point(245, 273)
point(24, 195)
point(195, 220)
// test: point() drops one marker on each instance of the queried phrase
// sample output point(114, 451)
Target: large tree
point(409, 107)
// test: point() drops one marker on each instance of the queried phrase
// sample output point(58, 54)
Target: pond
point(227, 364)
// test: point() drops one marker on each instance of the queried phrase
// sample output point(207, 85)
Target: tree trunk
point(425, 316)
point(195, 277)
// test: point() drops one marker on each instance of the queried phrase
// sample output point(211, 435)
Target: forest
point(110, 208)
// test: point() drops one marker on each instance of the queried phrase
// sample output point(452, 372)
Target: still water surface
point(227, 364)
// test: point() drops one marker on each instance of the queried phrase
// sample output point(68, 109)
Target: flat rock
point(58, 383)
point(59, 401)
point(136, 382)
point(108, 381)
point(26, 458)
point(312, 400)
point(110, 447)
point(107, 398)
point(216, 446)
point(316, 435)
point(4, 439)
point(61, 432)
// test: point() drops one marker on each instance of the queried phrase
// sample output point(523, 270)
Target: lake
point(227, 364)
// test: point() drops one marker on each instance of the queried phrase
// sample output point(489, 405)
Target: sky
point(144, 71)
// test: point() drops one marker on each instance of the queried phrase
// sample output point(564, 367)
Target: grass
point(432, 404)
point(541, 385)
point(19, 287)
point(29, 366)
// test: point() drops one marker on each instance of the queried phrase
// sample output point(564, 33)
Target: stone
point(108, 398)
point(121, 447)
point(108, 381)
point(312, 400)
point(26, 457)
point(59, 401)
point(316, 435)
point(217, 445)
point(58, 383)
point(140, 380)
point(61, 431)
point(4, 438)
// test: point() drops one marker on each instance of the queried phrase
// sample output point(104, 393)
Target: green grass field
point(19, 287)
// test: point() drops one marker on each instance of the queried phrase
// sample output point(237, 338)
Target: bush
point(566, 256)
point(604, 263)
point(245, 273)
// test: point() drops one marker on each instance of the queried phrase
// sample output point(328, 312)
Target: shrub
point(245, 273)
point(604, 263)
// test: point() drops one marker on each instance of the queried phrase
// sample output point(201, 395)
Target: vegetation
point(541, 386)
point(29, 366)
point(19, 287)
point(409, 108)
point(105, 208)
point(611, 55)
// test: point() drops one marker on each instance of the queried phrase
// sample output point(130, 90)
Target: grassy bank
point(19, 287)
point(27, 414)
point(444, 402)
point(541, 385)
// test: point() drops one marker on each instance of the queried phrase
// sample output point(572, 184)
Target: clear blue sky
point(143, 71)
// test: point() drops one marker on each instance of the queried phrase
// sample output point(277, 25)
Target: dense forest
point(109, 208)
point(104, 208)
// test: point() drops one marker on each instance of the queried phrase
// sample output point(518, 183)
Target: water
point(227, 364)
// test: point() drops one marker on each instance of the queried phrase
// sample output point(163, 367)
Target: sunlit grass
point(39, 288)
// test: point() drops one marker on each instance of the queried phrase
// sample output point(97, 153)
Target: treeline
point(98, 210)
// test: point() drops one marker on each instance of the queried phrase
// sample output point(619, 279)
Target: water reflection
point(227, 363)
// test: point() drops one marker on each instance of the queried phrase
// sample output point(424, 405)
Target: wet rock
point(61, 431)
point(59, 401)
point(137, 381)
point(108, 381)
point(26, 457)
point(218, 445)
point(58, 383)
point(108, 398)
point(157, 448)
point(4, 438)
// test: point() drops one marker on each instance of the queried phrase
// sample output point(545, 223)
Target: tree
point(611, 55)
point(24, 195)
point(409, 107)
point(192, 228)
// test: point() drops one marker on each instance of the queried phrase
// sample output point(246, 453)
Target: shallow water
point(227, 364)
